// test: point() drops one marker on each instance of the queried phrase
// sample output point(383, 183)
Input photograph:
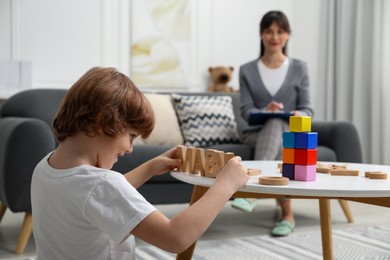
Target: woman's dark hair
point(274, 17)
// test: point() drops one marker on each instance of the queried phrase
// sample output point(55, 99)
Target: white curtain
point(354, 69)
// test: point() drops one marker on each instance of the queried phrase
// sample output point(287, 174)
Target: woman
point(273, 82)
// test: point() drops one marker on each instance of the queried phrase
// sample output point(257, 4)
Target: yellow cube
point(300, 124)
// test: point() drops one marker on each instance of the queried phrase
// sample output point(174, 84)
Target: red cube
point(305, 156)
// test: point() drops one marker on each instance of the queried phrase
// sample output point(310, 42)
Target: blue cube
point(308, 140)
point(288, 139)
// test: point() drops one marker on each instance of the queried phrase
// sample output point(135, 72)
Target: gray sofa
point(26, 137)
point(337, 141)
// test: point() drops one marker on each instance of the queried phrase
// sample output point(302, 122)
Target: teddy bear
point(220, 76)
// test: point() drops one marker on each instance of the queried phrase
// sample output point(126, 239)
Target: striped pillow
point(206, 120)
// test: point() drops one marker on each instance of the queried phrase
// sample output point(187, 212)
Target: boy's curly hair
point(105, 100)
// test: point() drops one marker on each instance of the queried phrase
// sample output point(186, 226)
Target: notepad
point(259, 118)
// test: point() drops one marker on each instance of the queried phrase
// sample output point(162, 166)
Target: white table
point(354, 188)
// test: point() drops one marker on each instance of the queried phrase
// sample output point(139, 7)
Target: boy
point(83, 210)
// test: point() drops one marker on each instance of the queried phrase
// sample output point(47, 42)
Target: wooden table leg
point(326, 229)
point(24, 234)
point(197, 193)
point(347, 211)
point(3, 208)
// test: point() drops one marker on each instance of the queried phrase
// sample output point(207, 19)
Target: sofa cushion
point(206, 120)
point(326, 154)
point(242, 150)
point(167, 129)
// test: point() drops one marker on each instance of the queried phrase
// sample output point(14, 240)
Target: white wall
point(5, 30)
point(65, 38)
point(305, 38)
point(234, 38)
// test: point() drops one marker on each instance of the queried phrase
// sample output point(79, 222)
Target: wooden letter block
point(300, 124)
point(187, 155)
point(305, 156)
point(288, 155)
point(199, 162)
point(323, 169)
point(376, 175)
point(221, 158)
point(190, 159)
point(288, 140)
point(306, 140)
point(228, 156)
point(338, 166)
point(344, 172)
point(305, 172)
point(270, 180)
point(181, 154)
point(254, 172)
point(288, 171)
point(213, 163)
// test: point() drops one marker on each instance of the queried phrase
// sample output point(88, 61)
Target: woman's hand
point(296, 113)
point(275, 106)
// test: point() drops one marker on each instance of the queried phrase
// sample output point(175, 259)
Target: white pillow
point(206, 120)
point(167, 129)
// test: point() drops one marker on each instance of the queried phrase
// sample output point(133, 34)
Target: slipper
point(246, 205)
point(282, 228)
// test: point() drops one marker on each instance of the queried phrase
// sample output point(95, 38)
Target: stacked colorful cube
point(300, 150)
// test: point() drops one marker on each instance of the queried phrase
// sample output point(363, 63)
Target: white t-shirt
point(84, 213)
point(273, 78)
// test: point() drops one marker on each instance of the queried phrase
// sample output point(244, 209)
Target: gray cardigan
point(294, 92)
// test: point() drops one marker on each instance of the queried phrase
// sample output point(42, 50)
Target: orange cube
point(288, 155)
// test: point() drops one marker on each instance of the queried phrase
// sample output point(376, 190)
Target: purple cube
point(288, 170)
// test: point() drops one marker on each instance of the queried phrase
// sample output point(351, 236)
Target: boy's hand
point(165, 162)
point(234, 175)
point(156, 166)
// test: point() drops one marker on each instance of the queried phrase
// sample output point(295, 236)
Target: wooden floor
point(230, 222)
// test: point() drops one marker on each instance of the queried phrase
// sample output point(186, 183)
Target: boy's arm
point(156, 166)
point(177, 234)
point(139, 175)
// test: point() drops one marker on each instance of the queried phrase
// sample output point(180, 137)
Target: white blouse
point(273, 78)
